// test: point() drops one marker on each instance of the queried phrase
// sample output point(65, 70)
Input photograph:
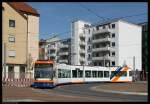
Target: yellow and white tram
point(48, 74)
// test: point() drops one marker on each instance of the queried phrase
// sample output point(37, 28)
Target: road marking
point(22, 100)
point(119, 92)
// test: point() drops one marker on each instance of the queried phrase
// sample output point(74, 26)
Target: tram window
point(112, 73)
point(68, 73)
point(64, 73)
point(80, 73)
point(94, 74)
point(74, 73)
point(88, 74)
point(100, 74)
point(106, 74)
point(130, 73)
point(59, 73)
point(122, 73)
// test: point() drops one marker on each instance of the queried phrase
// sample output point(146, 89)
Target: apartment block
point(110, 43)
point(20, 27)
point(64, 53)
point(52, 48)
point(78, 42)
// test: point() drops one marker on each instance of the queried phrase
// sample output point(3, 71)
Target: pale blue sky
point(57, 17)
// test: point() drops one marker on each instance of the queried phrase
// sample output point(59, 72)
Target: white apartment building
point(79, 42)
point(64, 51)
point(52, 48)
point(57, 50)
point(111, 43)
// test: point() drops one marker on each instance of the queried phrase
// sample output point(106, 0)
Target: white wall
point(130, 44)
point(76, 29)
point(33, 36)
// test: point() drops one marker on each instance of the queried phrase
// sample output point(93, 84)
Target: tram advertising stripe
point(116, 72)
point(117, 77)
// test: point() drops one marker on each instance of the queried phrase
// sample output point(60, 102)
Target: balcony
point(63, 61)
point(64, 46)
point(52, 48)
point(101, 31)
point(107, 39)
point(81, 59)
point(101, 49)
point(82, 43)
point(52, 54)
point(82, 51)
point(82, 35)
point(107, 57)
point(63, 53)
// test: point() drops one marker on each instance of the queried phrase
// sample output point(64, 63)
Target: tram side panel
point(121, 74)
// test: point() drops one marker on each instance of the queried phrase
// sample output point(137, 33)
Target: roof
point(111, 21)
point(23, 7)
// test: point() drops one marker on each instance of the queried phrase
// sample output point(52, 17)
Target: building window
point(113, 26)
point(89, 31)
point(113, 35)
point(11, 53)
point(113, 44)
point(113, 63)
point(113, 53)
point(11, 23)
point(11, 38)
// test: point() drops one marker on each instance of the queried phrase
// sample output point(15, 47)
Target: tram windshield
point(44, 71)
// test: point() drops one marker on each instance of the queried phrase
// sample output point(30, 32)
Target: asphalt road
point(73, 93)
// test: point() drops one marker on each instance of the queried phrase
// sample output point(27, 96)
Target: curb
point(118, 92)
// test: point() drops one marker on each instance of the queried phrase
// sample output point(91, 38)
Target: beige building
point(20, 32)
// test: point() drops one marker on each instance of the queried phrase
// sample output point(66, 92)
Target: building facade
point(79, 42)
point(18, 19)
point(52, 48)
point(42, 44)
point(111, 43)
point(64, 53)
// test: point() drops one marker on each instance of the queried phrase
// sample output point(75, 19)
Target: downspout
point(27, 45)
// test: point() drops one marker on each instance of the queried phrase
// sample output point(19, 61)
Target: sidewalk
point(135, 88)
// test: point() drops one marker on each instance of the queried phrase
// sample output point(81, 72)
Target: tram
point(49, 74)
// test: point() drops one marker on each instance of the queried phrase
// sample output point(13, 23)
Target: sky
point(56, 18)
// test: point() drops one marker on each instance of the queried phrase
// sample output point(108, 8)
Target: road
point(68, 93)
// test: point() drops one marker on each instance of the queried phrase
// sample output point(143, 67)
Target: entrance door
point(22, 72)
point(11, 72)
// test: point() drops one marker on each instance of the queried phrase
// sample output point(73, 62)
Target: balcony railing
point(101, 31)
point(63, 53)
point(81, 59)
point(63, 61)
point(82, 35)
point(101, 49)
point(64, 46)
point(101, 40)
point(107, 57)
point(82, 51)
point(82, 43)
point(52, 48)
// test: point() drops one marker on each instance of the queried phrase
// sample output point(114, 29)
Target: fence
point(17, 79)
